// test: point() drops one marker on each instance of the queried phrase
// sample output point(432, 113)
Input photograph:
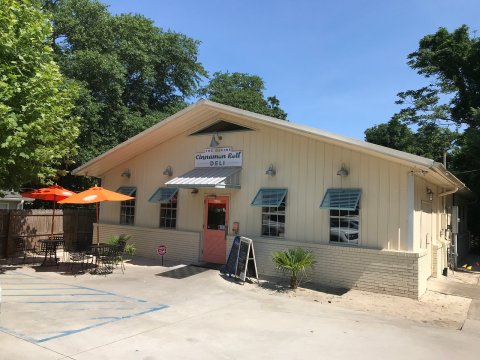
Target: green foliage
point(452, 61)
point(295, 262)
point(121, 240)
point(465, 164)
point(243, 91)
point(393, 134)
point(429, 140)
point(132, 73)
point(37, 131)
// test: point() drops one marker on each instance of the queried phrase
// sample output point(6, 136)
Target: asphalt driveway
point(47, 314)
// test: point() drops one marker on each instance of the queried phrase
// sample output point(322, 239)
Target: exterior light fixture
point(126, 173)
point(194, 191)
point(271, 170)
point(343, 171)
point(168, 171)
point(430, 194)
point(215, 142)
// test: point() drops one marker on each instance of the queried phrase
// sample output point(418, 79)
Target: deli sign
point(219, 157)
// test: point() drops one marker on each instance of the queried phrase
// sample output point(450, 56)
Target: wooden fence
point(75, 225)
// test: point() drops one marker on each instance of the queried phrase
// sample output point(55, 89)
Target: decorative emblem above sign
point(219, 157)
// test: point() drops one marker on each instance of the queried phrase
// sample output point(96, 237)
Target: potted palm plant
point(295, 262)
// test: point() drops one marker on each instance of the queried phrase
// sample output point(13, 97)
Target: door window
point(216, 217)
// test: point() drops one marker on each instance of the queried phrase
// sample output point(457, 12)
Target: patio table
point(100, 250)
point(49, 248)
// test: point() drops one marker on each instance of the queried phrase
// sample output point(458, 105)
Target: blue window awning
point(269, 197)
point(341, 199)
point(127, 190)
point(163, 195)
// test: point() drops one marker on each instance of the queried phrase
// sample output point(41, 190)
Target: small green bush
point(129, 249)
point(295, 262)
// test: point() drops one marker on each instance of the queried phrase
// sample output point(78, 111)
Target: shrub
point(122, 240)
point(295, 262)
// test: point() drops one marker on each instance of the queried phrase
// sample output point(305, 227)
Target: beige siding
point(305, 166)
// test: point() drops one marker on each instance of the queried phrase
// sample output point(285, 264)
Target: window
point(167, 197)
point(344, 214)
point(168, 213)
point(127, 208)
point(273, 203)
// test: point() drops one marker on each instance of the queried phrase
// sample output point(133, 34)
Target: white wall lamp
point(271, 170)
point(343, 171)
point(215, 142)
point(126, 173)
point(430, 194)
point(168, 171)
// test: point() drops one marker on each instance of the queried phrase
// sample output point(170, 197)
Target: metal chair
point(21, 249)
point(76, 257)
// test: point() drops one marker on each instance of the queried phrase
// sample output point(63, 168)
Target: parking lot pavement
point(140, 315)
point(64, 309)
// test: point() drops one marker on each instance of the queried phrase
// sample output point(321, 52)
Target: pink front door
point(215, 230)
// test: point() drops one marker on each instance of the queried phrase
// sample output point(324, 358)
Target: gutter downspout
point(448, 192)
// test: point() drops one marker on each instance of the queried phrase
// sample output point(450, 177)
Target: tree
point(452, 61)
point(394, 134)
point(132, 73)
point(243, 91)
point(37, 131)
point(429, 140)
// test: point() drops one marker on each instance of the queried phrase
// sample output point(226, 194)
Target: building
point(12, 200)
point(376, 219)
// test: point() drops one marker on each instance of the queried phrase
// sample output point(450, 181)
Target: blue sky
point(334, 65)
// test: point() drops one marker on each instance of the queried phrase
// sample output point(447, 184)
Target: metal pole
point(455, 255)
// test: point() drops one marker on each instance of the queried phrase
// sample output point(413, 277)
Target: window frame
point(125, 206)
point(273, 213)
point(166, 206)
point(344, 235)
point(343, 205)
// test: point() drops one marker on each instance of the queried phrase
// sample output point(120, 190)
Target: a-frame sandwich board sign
point(246, 263)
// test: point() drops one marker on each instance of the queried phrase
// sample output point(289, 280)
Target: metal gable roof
point(204, 111)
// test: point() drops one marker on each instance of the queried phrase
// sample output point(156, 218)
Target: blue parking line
point(28, 289)
point(67, 301)
point(115, 304)
point(71, 332)
point(59, 295)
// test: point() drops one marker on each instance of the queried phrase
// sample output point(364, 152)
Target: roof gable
point(204, 110)
point(221, 126)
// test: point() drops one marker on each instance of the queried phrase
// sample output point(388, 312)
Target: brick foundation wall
point(389, 272)
point(182, 246)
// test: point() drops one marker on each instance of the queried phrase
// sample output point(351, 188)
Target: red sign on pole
point(161, 250)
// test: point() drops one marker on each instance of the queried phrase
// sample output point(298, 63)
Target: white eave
point(205, 110)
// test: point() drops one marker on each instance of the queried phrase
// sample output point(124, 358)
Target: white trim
point(415, 161)
point(410, 210)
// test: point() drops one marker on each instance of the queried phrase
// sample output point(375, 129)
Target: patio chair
point(76, 257)
point(106, 259)
point(22, 250)
point(120, 253)
point(19, 249)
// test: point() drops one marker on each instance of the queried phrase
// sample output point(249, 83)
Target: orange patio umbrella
point(52, 193)
point(96, 195)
